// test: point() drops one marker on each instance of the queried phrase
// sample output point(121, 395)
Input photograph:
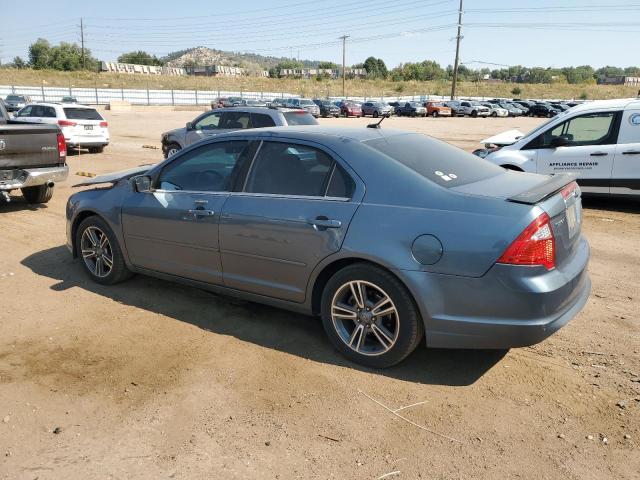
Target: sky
point(497, 32)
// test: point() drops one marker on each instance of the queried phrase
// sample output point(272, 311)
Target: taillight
point(569, 191)
point(62, 147)
point(66, 123)
point(104, 124)
point(534, 246)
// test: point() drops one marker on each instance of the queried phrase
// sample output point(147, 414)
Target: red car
point(349, 109)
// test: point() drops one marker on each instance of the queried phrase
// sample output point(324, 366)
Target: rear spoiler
point(544, 189)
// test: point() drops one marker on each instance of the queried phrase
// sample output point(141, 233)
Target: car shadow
point(258, 324)
point(613, 204)
point(18, 204)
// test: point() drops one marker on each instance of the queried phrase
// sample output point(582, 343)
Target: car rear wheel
point(101, 256)
point(375, 115)
point(370, 317)
point(494, 114)
point(39, 194)
point(171, 150)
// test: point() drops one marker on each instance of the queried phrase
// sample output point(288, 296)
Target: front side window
point(210, 168)
point(209, 122)
point(289, 169)
point(591, 129)
point(25, 112)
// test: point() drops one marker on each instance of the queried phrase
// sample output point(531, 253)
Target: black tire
point(474, 114)
point(39, 194)
point(171, 147)
point(96, 149)
point(375, 114)
point(435, 114)
point(494, 114)
point(119, 271)
point(410, 328)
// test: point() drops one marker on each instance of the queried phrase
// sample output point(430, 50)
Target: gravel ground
point(148, 379)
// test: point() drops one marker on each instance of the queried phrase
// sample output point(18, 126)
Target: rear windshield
point(299, 118)
point(82, 114)
point(435, 160)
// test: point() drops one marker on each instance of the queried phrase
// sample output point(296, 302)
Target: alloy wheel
point(96, 252)
point(365, 318)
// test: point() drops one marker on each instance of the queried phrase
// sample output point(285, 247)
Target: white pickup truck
point(599, 141)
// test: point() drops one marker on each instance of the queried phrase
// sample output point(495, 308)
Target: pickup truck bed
point(32, 159)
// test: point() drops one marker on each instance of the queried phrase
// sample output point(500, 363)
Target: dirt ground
point(151, 380)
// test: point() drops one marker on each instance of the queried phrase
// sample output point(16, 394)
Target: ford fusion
point(391, 237)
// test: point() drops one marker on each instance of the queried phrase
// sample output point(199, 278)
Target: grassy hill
point(309, 88)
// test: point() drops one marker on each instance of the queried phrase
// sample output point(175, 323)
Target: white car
point(496, 110)
point(473, 109)
point(81, 125)
point(598, 141)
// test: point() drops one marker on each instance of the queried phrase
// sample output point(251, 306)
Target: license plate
point(573, 218)
point(88, 127)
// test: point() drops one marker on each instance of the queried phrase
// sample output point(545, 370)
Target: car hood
point(115, 176)
point(505, 138)
point(175, 131)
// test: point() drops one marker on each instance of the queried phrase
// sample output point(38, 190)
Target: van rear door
point(625, 178)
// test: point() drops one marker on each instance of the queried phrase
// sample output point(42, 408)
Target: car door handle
point(631, 152)
point(599, 154)
point(324, 222)
point(200, 212)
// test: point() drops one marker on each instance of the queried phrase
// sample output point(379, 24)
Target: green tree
point(140, 57)
point(327, 65)
point(18, 62)
point(65, 56)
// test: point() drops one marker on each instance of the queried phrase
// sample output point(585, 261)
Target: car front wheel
point(370, 317)
point(171, 150)
point(101, 256)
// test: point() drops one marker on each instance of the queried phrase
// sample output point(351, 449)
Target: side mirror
point(559, 141)
point(189, 126)
point(142, 183)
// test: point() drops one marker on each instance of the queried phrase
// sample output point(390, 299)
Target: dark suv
point(327, 108)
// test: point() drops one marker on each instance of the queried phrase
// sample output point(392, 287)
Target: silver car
point(221, 120)
point(391, 237)
point(376, 109)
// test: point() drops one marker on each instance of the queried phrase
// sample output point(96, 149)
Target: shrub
point(516, 91)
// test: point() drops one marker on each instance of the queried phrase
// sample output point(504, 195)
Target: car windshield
point(506, 105)
point(415, 104)
point(82, 114)
point(544, 124)
point(327, 103)
point(435, 160)
point(299, 118)
point(306, 102)
point(437, 104)
point(15, 98)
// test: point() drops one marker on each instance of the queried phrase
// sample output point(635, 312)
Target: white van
point(599, 141)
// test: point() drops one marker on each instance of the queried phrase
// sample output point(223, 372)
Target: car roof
point(321, 132)
point(267, 110)
point(618, 103)
point(66, 105)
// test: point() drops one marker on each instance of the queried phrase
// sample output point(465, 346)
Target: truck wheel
point(39, 194)
point(96, 149)
point(474, 114)
point(370, 317)
point(101, 256)
point(434, 114)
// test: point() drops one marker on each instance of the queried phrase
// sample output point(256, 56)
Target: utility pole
point(455, 65)
point(344, 57)
point(82, 43)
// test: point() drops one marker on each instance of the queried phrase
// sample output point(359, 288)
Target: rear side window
point(341, 185)
point(289, 169)
point(299, 118)
point(261, 120)
point(435, 160)
point(82, 114)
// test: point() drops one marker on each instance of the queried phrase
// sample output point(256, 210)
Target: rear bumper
point(510, 306)
point(33, 177)
point(87, 140)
